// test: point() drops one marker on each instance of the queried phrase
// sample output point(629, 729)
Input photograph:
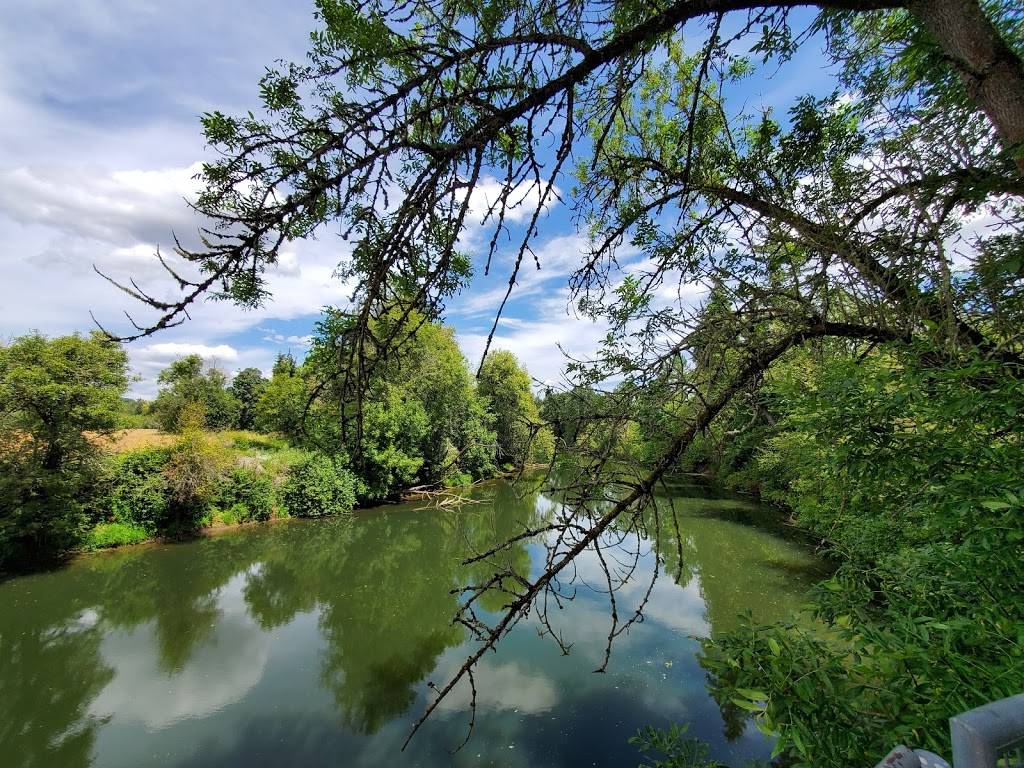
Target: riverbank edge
point(785, 520)
point(219, 528)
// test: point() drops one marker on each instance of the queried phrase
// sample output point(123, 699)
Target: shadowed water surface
point(312, 643)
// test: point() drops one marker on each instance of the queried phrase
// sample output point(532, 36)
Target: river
point(312, 643)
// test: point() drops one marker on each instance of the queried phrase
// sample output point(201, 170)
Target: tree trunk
point(53, 456)
point(991, 71)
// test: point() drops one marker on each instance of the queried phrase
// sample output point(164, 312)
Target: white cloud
point(211, 679)
point(557, 257)
point(62, 222)
point(280, 338)
point(126, 207)
point(539, 344)
point(540, 325)
point(99, 175)
point(172, 351)
point(98, 152)
point(500, 687)
point(522, 200)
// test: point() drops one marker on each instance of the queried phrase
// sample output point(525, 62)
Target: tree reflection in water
point(162, 635)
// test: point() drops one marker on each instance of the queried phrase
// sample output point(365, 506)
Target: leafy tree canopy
point(189, 390)
point(421, 420)
point(246, 387)
point(59, 396)
point(506, 385)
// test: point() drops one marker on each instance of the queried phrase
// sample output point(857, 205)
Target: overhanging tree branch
point(757, 362)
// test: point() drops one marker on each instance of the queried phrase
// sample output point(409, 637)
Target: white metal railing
point(990, 736)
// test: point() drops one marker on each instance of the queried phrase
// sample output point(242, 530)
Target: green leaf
point(747, 705)
point(995, 504)
point(752, 694)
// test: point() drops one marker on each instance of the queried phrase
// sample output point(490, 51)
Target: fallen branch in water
point(441, 498)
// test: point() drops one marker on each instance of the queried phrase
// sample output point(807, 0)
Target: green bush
point(393, 431)
point(186, 386)
point(138, 421)
point(244, 441)
point(247, 494)
point(137, 492)
point(317, 486)
point(233, 515)
point(194, 474)
point(478, 440)
point(542, 445)
point(115, 535)
point(458, 480)
point(911, 474)
point(41, 516)
point(58, 395)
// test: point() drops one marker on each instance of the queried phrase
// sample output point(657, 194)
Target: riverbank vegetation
point(909, 475)
point(76, 477)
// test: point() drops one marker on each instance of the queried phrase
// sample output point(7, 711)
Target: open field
point(124, 440)
point(133, 439)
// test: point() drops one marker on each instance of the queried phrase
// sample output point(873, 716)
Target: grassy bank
point(161, 485)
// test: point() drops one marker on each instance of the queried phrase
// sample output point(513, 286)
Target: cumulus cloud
point(522, 200)
point(98, 153)
point(210, 680)
point(542, 345)
point(168, 351)
point(62, 222)
point(557, 257)
point(540, 324)
point(299, 341)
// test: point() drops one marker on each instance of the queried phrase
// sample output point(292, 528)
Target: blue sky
point(100, 141)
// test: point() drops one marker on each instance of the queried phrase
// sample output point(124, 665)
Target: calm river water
point(311, 643)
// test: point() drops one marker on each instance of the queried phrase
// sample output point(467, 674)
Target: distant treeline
point(244, 448)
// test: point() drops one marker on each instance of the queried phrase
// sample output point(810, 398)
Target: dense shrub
point(505, 385)
point(911, 474)
point(317, 486)
point(173, 490)
point(247, 494)
point(41, 515)
point(393, 431)
point(115, 535)
point(542, 445)
point(193, 473)
point(136, 490)
point(478, 440)
point(281, 404)
point(247, 441)
point(55, 394)
point(185, 384)
point(246, 389)
point(138, 421)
